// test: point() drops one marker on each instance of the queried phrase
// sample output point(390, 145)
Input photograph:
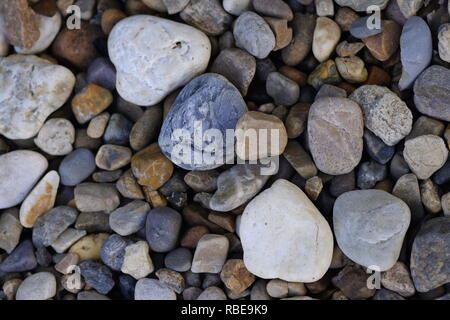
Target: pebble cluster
point(95, 205)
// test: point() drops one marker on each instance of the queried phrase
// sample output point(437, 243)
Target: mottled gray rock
point(39, 286)
point(179, 260)
point(162, 229)
point(444, 42)
point(67, 239)
point(113, 251)
point(76, 167)
point(377, 149)
point(210, 101)
point(93, 222)
point(273, 8)
point(130, 218)
point(330, 91)
point(118, 130)
point(152, 289)
point(145, 131)
point(212, 293)
point(398, 279)
point(362, 5)
point(97, 276)
point(360, 29)
point(21, 259)
point(283, 90)
point(407, 189)
point(56, 137)
point(10, 229)
point(370, 173)
point(370, 226)
point(92, 197)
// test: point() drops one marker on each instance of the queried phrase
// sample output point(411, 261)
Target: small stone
point(110, 18)
point(345, 17)
point(361, 28)
point(345, 49)
point(102, 73)
point(224, 220)
point(416, 47)
point(296, 120)
point(430, 196)
point(43, 257)
point(429, 255)
point(10, 288)
point(352, 281)
point(118, 130)
point(162, 229)
point(273, 8)
point(343, 183)
point(236, 7)
point(326, 36)
point(313, 187)
point(130, 218)
point(310, 233)
point(39, 286)
point(155, 198)
point(235, 276)
point(409, 8)
point(210, 254)
point(283, 34)
point(362, 5)
point(171, 279)
point(67, 264)
point(113, 251)
point(378, 76)
point(398, 280)
point(446, 204)
point(10, 229)
point(175, 6)
point(212, 293)
point(93, 222)
point(370, 226)
point(377, 149)
point(56, 137)
point(107, 176)
point(424, 126)
point(303, 28)
point(283, 90)
point(277, 288)
point(407, 189)
point(97, 125)
point(300, 160)
point(444, 42)
point(91, 101)
point(202, 181)
point(179, 260)
point(67, 239)
point(370, 173)
point(324, 8)
point(82, 140)
point(425, 155)
point(21, 259)
point(191, 293)
point(253, 34)
point(97, 276)
point(88, 247)
point(335, 130)
point(91, 295)
point(112, 157)
point(385, 114)
point(128, 187)
point(352, 69)
point(324, 73)
point(383, 45)
point(152, 289)
point(19, 172)
point(137, 261)
point(192, 236)
point(91, 197)
point(145, 131)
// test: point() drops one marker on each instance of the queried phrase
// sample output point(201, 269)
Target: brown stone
point(128, 186)
point(202, 181)
point(224, 220)
point(151, 168)
point(76, 46)
point(383, 45)
point(192, 236)
point(303, 28)
point(283, 34)
point(300, 160)
point(349, 88)
point(429, 192)
point(352, 69)
point(112, 157)
point(313, 187)
point(195, 215)
point(345, 18)
point(378, 76)
point(109, 19)
point(296, 120)
point(47, 8)
point(235, 276)
point(325, 73)
point(294, 74)
point(352, 281)
point(91, 101)
point(154, 198)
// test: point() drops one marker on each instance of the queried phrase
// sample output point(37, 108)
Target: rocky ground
point(95, 203)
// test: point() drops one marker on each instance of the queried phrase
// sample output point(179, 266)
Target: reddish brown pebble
point(283, 34)
point(294, 74)
point(383, 45)
point(109, 19)
point(192, 236)
point(378, 76)
point(235, 276)
point(223, 220)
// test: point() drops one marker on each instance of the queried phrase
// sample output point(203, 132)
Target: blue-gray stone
point(370, 173)
point(442, 176)
point(130, 218)
point(43, 257)
point(211, 101)
point(377, 149)
point(118, 130)
point(416, 49)
point(76, 167)
point(179, 260)
point(54, 222)
point(103, 73)
point(385, 294)
point(398, 166)
point(112, 252)
point(97, 275)
point(359, 28)
point(126, 285)
point(162, 229)
point(21, 259)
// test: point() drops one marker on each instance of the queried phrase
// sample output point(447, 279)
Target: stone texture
point(97, 275)
point(236, 7)
point(39, 286)
point(145, 131)
point(76, 167)
point(444, 42)
point(179, 260)
point(345, 49)
point(210, 254)
point(352, 281)
point(130, 218)
point(345, 17)
point(296, 120)
point(112, 252)
point(283, 90)
point(430, 196)
point(91, 197)
point(112, 157)
point(202, 181)
point(383, 45)
point(303, 27)
point(88, 247)
point(377, 149)
point(326, 36)
point(370, 173)
point(172, 279)
point(152, 289)
point(97, 125)
point(352, 69)
point(398, 280)
point(300, 160)
point(324, 73)
point(91, 101)
point(137, 261)
point(10, 229)
point(162, 229)
point(21, 259)
point(360, 28)
point(67, 239)
point(407, 189)
point(235, 276)
point(56, 137)
point(102, 73)
point(362, 5)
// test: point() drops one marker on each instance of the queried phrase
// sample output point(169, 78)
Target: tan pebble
point(89, 247)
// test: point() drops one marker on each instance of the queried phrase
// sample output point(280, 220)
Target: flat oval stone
point(370, 226)
point(91, 197)
point(90, 101)
point(21, 259)
point(19, 171)
point(283, 90)
point(118, 130)
point(56, 137)
point(326, 36)
point(76, 167)
point(152, 289)
point(130, 218)
point(303, 27)
point(335, 131)
point(146, 129)
point(360, 30)
point(39, 286)
point(209, 101)
point(97, 276)
point(138, 47)
point(162, 229)
point(112, 252)
point(210, 254)
point(284, 236)
point(111, 157)
point(179, 260)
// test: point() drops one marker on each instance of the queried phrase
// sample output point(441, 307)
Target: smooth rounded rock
point(56, 137)
point(92, 197)
point(39, 286)
point(152, 289)
point(162, 229)
point(76, 167)
point(21, 259)
point(130, 218)
point(326, 36)
point(111, 157)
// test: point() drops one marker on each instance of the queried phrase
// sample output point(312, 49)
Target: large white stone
point(31, 89)
point(154, 56)
point(19, 172)
point(284, 235)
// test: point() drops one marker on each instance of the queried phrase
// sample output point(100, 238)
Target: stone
point(162, 229)
point(429, 192)
point(313, 187)
point(128, 186)
point(93, 222)
point(76, 167)
point(118, 130)
point(235, 276)
point(300, 160)
point(424, 126)
point(97, 275)
point(10, 229)
point(407, 189)
point(175, 6)
point(345, 17)
point(346, 49)
point(189, 55)
point(444, 42)
point(283, 90)
point(236, 7)
point(224, 220)
point(52, 224)
point(214, 94)
point(145, 131)
point(152, 289)
point(66, 265)
point(409, 8)
point(303, 27)
point(23, 108)
point(202, 181)
point(385, 114)
point(110, 18)
point(416, 47)
point(4, 46)
point(326, 36)
point(335, 131)
point(324, 73)
point(137, 261)
point(56, 137)
point(253, 34)
point(425, 155)
point(362, 5)
point(39, 286)
point(171, 279)
point(237, 66)
point(361, 28)
point(383, 45)
point(154, 198)
point(112, 157)
point(157, 5)
point(113, 251)
point(212, 293)
point(43, 257)
point(67, 239)
point(302, 225)
point(378, 76)
point(102, 73)
point(352, 69)
point(91, 197)
point(283, 34)
point(277, 288)
point(370, 173)
point(91, 295)
point(19, 172)
point(126, 285)
point(370, 226)
point(210, 254)
point(82, 140)
point(429, 255)
point(377, 149)
point(398, 280)
point(179, 260)
point(273, 8)
point(88, 247)
point(10, 288)
point(324, 8)
point(107, 176)
point(343, 183)
point(91, 101)
point(352, 281)
point(130, 218)
point(430, 92)
point(191, 293)
point(192, 236)
point(21, 259)
point(295, 122)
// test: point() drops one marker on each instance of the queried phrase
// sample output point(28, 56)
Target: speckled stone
point(76, 167)
point(113, 251)
point(39, 286)
point(97, 276)
point(152, 289)
point(130, 218)
point(162, 229)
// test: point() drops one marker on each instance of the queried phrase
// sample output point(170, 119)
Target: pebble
point(236, 7)
point(175, 6)
point(398, 279)
point(10, 229)
point(52, 224)
point(277, 288)
point(112, 251)
point(235, 276)
point(324, 73)
point(352, 69)
point(313, 187)
point(425, 155)
point(67, 239)
point(324, 8)
point(137, 261)
point(416, 47)
point(289, 207)
point(346, 49)
point(126, 285)
point(179, 260)
point(429, 192)
point(407, 189)
point(343, 183)
point(326, 36)
point(145, 131)
point(192, 236)
point(295, 122)
point(107, 176)
point(56, 137)
point(445, 202)
point(370, 173)
point(171, 279)
point(303, 27)
point(345, 17)
point(93, 222)
point(190, 54)
point(300, 160)
point(21, 259)
point(212, 293)
point(128, 187)
point(88, 247)
point(385, 114)
point(273, 8)
point(370, 226)
point(360, 28)
point(130, 218)
point(110, 18)
point(191, 293)
point(444, 42)
point(202, 181)
point(383, 45)
point(66, 265)
point(91, 295)
point(424, 126)
point(102, 73)
point(162, 229)
point(409, 8)
point(97, 125)
point(39, 286)
point(152, 289)
point(253, 34)
point(335, 131)
point(429, 256)
point(377, 149)
point(283, 90)
point(282, 32)
point(22, 110)
point(210, 254)
point(91, 197)
point(10, 288)
point(214, 94)
point(40, 199)
point(91, 101)
point(97, 275)
point(112, 157)
point(118, 130)
point(352, 281)
point(19, 172)
point(433, 80)
point(362, 5)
